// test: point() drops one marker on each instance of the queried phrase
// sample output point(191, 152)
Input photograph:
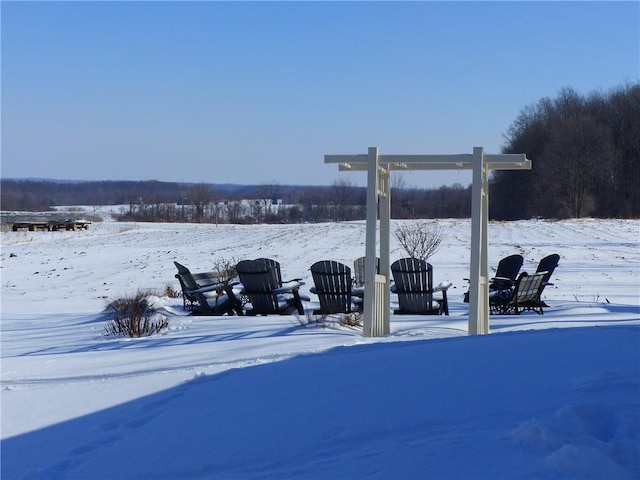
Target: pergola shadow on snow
point(378, 167)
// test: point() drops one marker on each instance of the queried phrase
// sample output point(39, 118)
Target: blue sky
point(259, 92)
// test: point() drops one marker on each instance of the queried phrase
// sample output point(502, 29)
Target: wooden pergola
point(378, 167)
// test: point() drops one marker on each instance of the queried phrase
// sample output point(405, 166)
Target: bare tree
point(577, 148)
point(269, 192)
point(420, 240)
point(200, 196)
point(233, 210)
point(225, 269)
point(343, 194)
point(400, 196)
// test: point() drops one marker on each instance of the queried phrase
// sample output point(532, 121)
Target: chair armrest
point(288, 287)
point(500, 283)
point(357, 292)
point(206, 288)
point(213, 286)
point(501, 279)
point(443, 287)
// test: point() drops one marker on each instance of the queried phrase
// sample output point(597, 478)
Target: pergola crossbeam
point(431, 162)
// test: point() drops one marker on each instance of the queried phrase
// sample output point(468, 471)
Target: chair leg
point(235, 305)
point(298, 302)
point(445, 303)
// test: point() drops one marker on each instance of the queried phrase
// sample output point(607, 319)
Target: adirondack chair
point(524, 296)
point(505, 277)
point(333, 286)
point(508, 269)
point(413, 280)
point(267, 296)
point(358, 271)
point(277, 272)
point(547, 264)
point(204, 294)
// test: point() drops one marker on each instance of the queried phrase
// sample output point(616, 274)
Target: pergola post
point(377, 294)
point(479, 281)
point(382, 277)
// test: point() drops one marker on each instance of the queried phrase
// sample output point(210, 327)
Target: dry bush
point(353, 319)
point(171, 292)
point(420, 240)
point(132, 317)
point(225, 269)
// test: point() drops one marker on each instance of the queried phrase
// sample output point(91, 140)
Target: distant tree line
point(154, 201)
point(585, 151)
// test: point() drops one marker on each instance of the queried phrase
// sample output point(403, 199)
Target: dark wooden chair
point(358, 271)
point(266, 294)
point(506, 273)
point(277, 272)
point(413, 283)
point(333, 286)
point(204, 294)
point(524, 296)
point(505, 277)
point(548, 264)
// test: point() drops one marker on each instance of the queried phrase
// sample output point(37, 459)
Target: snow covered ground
point(552, 396)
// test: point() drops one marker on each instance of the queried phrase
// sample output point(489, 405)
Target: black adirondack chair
point(204, 294)
point(333, 286)
point(508, 269)
point(358, 271)
point(266, 294)
point(548, 264)
point(524, 296)
point(413, 279)
point(505, 277)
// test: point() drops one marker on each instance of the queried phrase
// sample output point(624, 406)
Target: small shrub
point(132, 317)
point(225, 269)
point(420, 240)
point(324, 321)
point(171, 292)
point(351, 320)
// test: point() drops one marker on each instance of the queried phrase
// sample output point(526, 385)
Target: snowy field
point(541, 397)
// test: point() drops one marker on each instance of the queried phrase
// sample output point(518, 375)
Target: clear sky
point(259, 92)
